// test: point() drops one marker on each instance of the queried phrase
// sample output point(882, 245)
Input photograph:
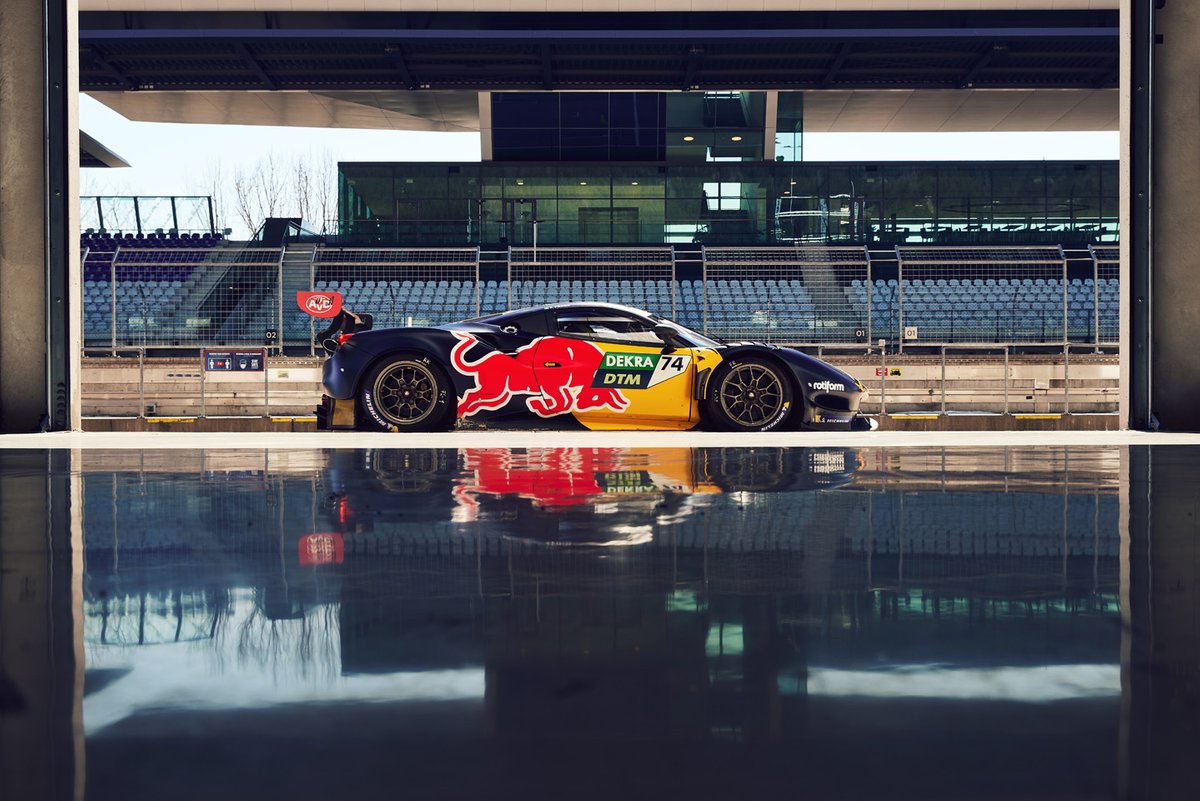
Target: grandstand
point(189, 290)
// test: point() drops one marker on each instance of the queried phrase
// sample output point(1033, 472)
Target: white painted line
point(282, 440)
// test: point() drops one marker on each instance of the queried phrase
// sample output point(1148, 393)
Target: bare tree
point(214, 183)
point(245, 197)
point(270, 186)
point(302, 187)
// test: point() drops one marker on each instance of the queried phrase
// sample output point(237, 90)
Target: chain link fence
point(639, 277)
point(402, 286)
point(1103, 292)
point(794, 295)
point(801, 295)
point(161, 297)
point(1010, 294)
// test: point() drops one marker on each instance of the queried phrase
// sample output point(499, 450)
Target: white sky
point(179, 159)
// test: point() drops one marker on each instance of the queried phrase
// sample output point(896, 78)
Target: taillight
point(341, 339)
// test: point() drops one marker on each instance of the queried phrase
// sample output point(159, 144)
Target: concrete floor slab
point(586, 439)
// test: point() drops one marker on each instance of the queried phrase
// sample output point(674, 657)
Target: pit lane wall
point(139, 387)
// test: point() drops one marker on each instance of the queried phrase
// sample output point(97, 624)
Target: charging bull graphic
point(550, 477)
point(560, 384)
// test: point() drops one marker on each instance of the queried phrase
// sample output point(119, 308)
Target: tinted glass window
point(607, 326)
point(524, 110)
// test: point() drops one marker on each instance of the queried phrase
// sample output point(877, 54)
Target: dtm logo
point(562, 382)
point(827, 386)
point(320, 304)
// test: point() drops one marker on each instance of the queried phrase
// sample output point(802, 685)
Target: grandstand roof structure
point(1006, 65)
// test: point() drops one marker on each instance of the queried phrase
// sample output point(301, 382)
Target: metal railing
point(640, 277)
point(184, 388)
point(788, 294)
point(951, 378)
point(797, 295)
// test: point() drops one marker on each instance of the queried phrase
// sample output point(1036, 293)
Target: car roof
point(578, 304)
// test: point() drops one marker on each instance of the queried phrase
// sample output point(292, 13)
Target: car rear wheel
point(749, 394)
point(407, 393)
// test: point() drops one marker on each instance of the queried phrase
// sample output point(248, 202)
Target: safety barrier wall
point(802, 295)
point(133, 382)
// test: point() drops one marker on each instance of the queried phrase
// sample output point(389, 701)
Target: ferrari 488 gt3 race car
point(609, 366)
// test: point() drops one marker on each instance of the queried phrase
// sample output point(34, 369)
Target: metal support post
point(1066, 333)
point(704, 288)
point(943, 379)
point(1066, 379)
point(674, 283)
point(883, 376)
point(278, 303)
point(141, 382)
point(870, 289)
point(899, 300)
point(478, 285)
point(1006, 379)
point(112, 305)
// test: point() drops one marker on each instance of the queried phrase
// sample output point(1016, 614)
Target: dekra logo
point(628, 361)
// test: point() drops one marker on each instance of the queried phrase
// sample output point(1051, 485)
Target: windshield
point(695, 337)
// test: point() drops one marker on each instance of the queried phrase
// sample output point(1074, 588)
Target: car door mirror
point(669, 336)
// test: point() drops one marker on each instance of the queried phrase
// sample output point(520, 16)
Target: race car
point(585, 496)
point(608, 366)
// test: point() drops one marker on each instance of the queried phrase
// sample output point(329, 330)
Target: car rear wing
point(343, 323)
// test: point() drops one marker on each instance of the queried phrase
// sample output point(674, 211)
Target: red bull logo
point(554, 372)
point(550, 477)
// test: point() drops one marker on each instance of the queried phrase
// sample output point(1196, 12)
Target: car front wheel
point(407, 393)
point(749, 394)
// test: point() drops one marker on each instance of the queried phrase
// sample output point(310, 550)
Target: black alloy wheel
point(750, 395)
point(408, 394)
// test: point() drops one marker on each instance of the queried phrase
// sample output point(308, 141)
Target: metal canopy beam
point(691, 67)
point(980, 64)
point(838, 61)
point(396, 53)
point(547, 67)
point(255, 67)
point(105, 66)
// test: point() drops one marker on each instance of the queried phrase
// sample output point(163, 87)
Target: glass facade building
point(628, 126)
point(654, 201)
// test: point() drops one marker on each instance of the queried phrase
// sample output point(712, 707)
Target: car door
point(609, 369)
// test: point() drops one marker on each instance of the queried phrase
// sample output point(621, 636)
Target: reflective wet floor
point(579, 623)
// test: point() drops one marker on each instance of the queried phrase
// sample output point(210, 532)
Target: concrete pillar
point(41, 634)
point(1174, 277)
point(39, 226)
point(1161, 680)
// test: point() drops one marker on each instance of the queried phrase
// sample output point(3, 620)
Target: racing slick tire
point(406, 392)
point(748, 394)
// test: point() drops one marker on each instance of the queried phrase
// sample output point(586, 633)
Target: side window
point(607, 327)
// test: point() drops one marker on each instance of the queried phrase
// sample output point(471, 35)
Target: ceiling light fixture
point(689, 138)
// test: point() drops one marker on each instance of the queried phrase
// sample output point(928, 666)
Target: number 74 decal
point(639, 370)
